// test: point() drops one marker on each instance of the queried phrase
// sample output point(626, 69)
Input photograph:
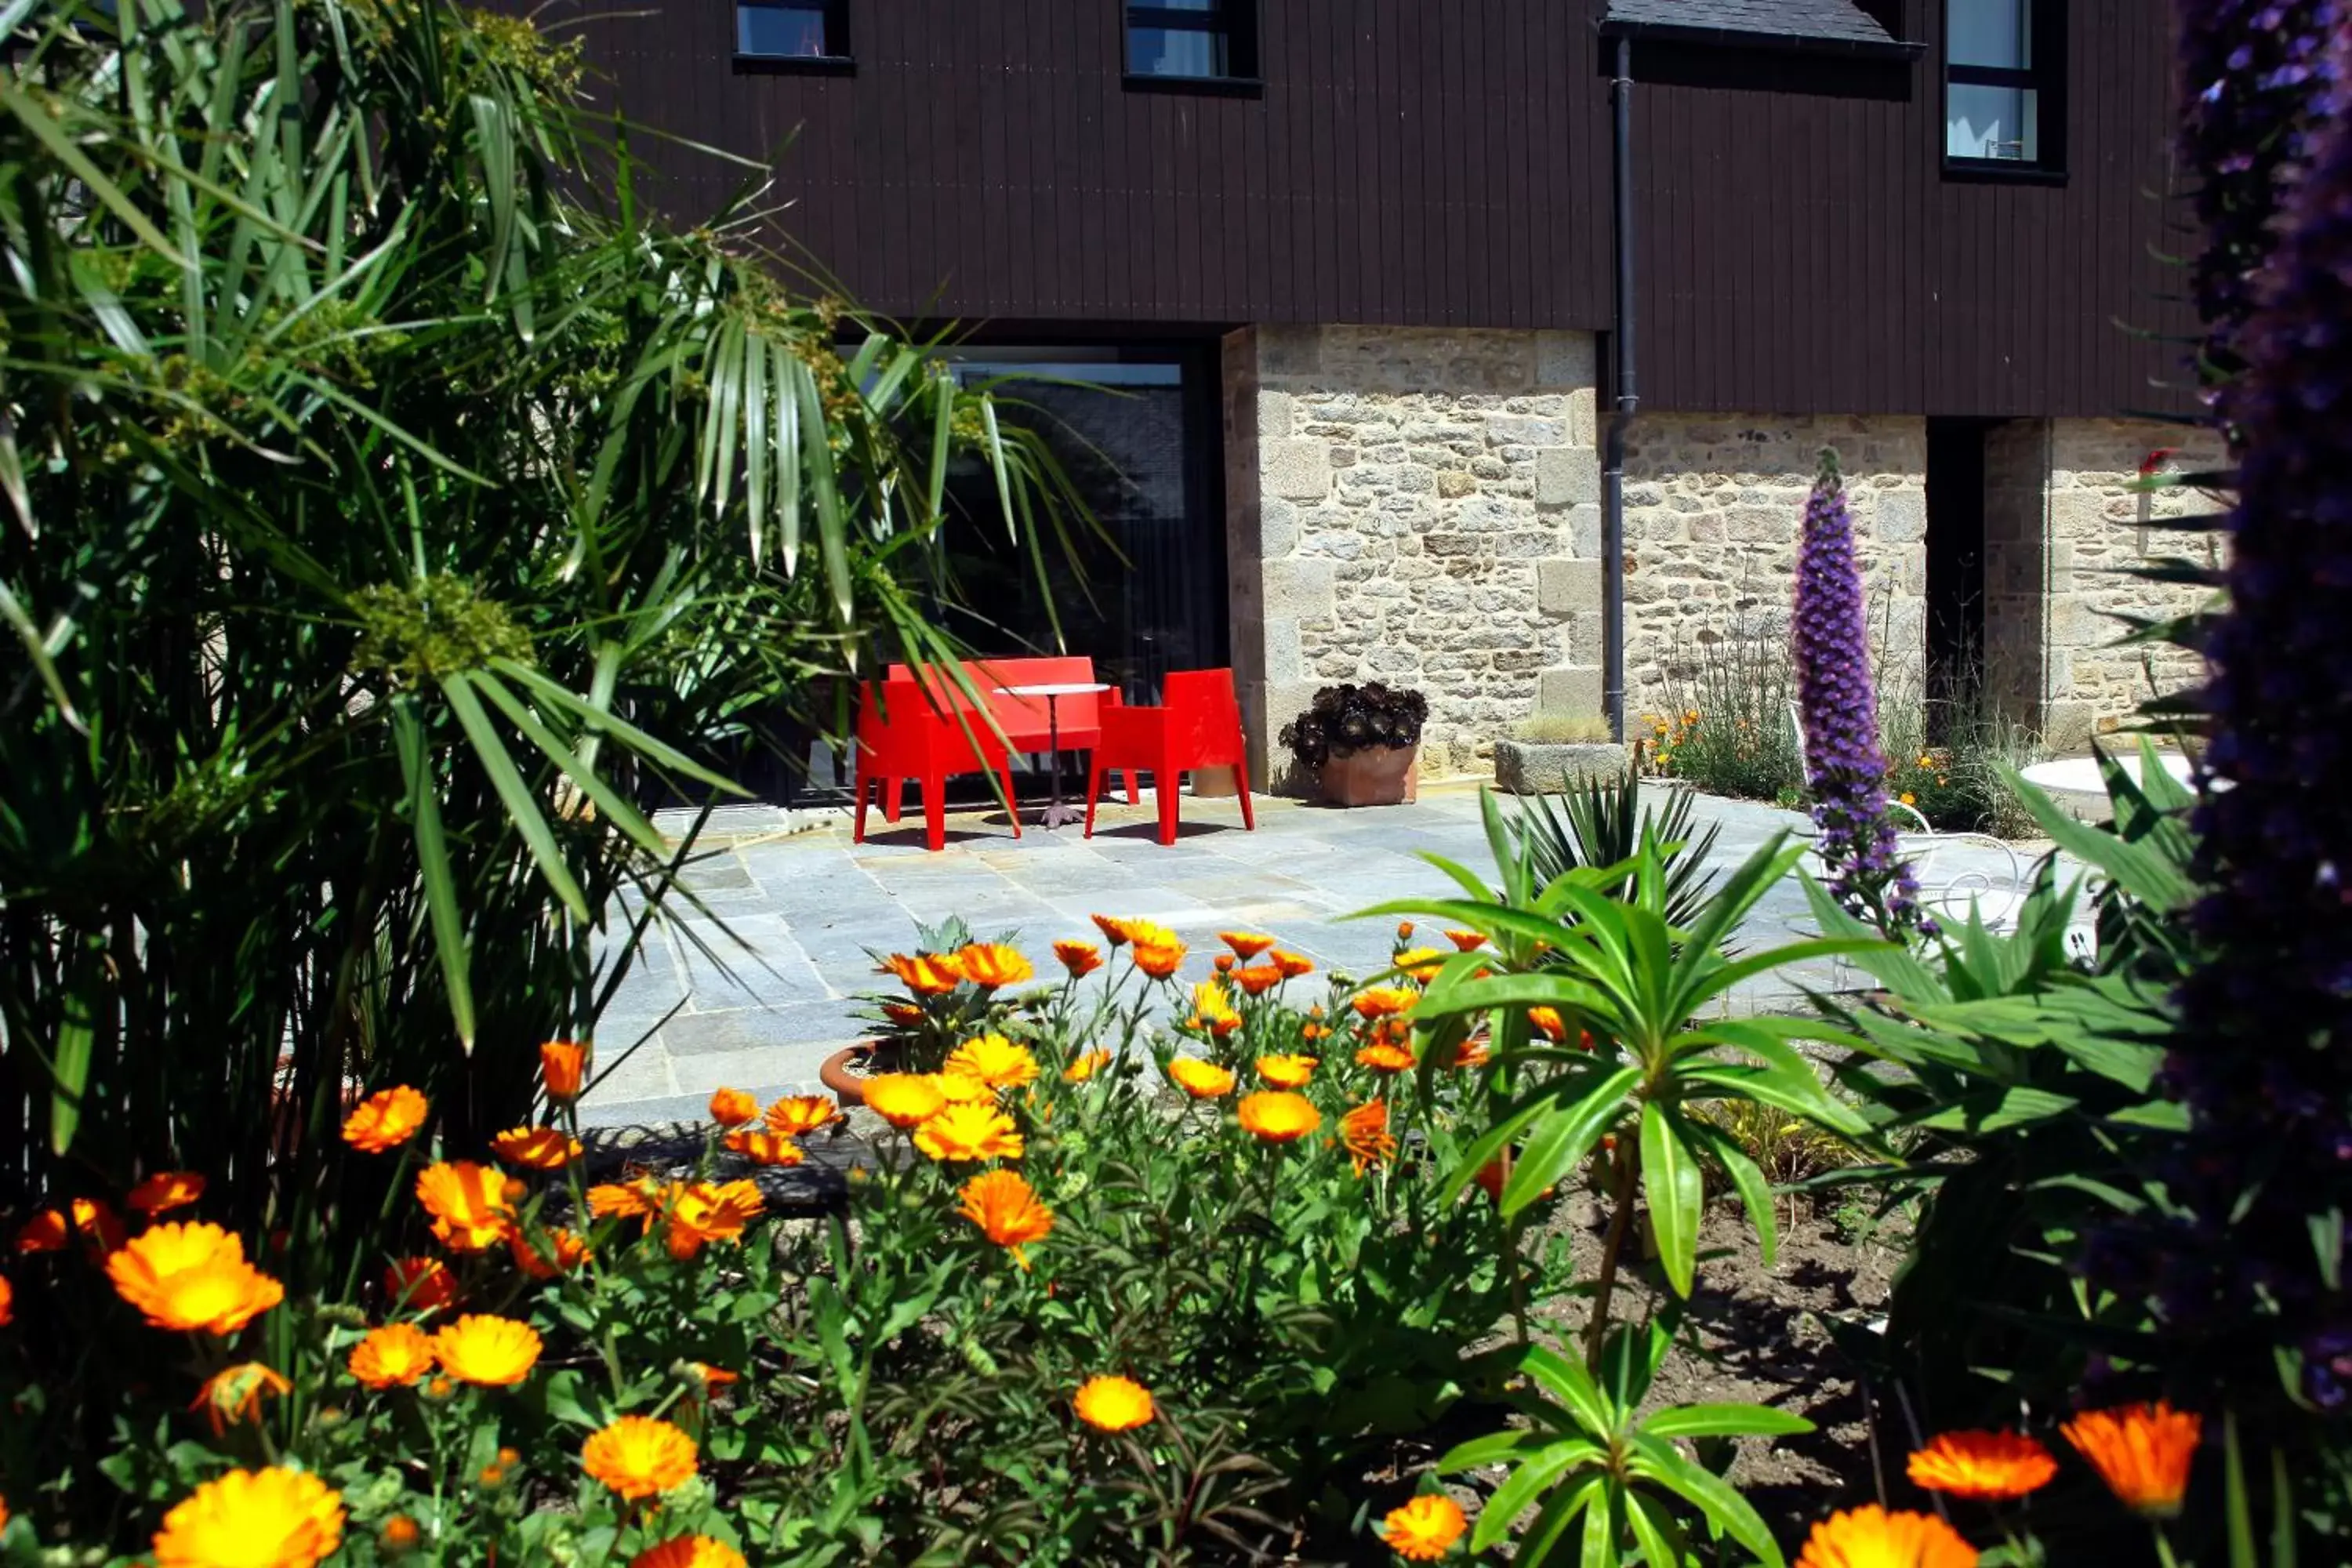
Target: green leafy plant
point(1604, 823)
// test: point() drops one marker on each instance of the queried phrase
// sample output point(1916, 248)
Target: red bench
point(1023, 719)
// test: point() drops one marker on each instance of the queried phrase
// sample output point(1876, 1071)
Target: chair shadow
point(906, 837)
point(1149, 832)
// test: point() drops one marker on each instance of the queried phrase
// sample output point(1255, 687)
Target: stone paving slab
point(770, 989)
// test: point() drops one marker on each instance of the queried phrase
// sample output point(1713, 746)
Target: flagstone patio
point(759, 994)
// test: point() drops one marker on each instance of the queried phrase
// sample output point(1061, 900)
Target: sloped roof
point(1831, 21)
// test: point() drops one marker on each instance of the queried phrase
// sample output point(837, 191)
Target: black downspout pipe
point(1612, 470)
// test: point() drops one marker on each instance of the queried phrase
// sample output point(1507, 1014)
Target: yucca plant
point(393, 510)
point(1604, 822)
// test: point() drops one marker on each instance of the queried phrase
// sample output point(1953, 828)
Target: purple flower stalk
point(1830, 648)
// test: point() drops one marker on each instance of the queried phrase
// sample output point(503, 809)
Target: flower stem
point(1613, 1243)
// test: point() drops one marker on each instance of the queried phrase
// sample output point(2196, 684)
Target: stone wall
point(1424, 512)
point(1713, 505)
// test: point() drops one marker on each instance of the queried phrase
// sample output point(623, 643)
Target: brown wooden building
point(1349, 273)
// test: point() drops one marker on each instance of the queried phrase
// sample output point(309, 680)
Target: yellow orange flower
point(989, 965)
point(1983, 1465)
point(544, 1257)
point(420, 1284)
point(1213, 1010)
point(494, 1353)
point(925, 974)
point(639, 1458)
point(1223, 962)
point(1277, 1116)
point(906, 1014)
point(700, 1213)
point(1425, 1528)
point(734, 1108)
point(712, 1379)
point(1548, 1023)
point(1158, 959)
point(1007, 1211)
point(536, 1148)
point(974, 1132)
point(386, 1119)
point(903, 1099)
point(689, 1552)
point(1421, 962)
point(762, 1147)
point(798, 1115)
point(235, 1393)
point(399, 1534)
point(1085, 1065)
point(639, 1199)
point(8, 1309)
point(276, 1517)
point(1112, 1403)
point(97, 1224)
point(45, 1232)
point(2141, 1451)
point(562, 1068)
point(1080, 958)
point(1286, 1072)
point(469, 1204)
point(1202, 1080)
point(961, 1087)
point(1291, 964)
point(1471, 1053)
point(1384, 1056)
point(1364, 1131)
point(1248, 944)
point(190, 1276)
point(1257, 979)
point(994, 1060)
point(1404, 931)
point(393, 1357)
point(1465, 941)
point(1383, 1001)
point(1871, 1537)
point(165, 1191)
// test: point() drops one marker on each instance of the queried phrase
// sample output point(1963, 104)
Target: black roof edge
point(1786, 43)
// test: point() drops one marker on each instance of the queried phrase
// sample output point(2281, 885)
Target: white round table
point(2081, 775)
point(1052, 691)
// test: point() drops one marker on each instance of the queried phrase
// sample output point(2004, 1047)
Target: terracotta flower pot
point(1375, 775)
point(845, 1073)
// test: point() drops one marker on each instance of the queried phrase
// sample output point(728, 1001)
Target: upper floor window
point(1203, 39)
point(791, 29)
point(2003, 75)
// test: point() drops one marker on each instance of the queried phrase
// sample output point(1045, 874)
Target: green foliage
point(1604, 823)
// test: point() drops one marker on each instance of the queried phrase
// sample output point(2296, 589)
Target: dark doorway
point(1956, 568)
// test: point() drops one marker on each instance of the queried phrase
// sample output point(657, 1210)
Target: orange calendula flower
point(1277, 1116)
point(1993, 1464)
point(399, 1534)
point(1871, 1537)
point(1007, 1211)
point(492, 1352)
point(1383, 1001)
point(386, 1119)
point(7, 1309)
point(638, 1456)
point(700, 1213)
point(1112, 1403)
point(252, 1518)
point(165, 1191)
point(545, 1256)
point(975, 1131)
point(798, 1115)
point(1471, 1053)
point(961, 1087)
point(764, 1148)
point(925, 974)
point(235, 1393)
point(1116, 931)
point(45, 1232)
point(192, 1277)
point(1425, 1528)
point(1158, 959)
point(1385, 1056)
point(2141, 1451)
point(1404, 931)
point(904, 1098)
point(420, 1284)
point(994, 1060)
point(1202, 1080)
point(689, 1552)
point(1291, 964)
point(1223, 962)
point(1085, 1065)
point(1421, 962)
point(990, 964)
point(1287, 1073)
point(713, 1379)
point(906, 1014)
point(536, 1148)
point(1548, 1023)
point(1213, 1010)
point(1364, 1132)
point(1080, 958)
point(562, 1068)
point(1465, 941)
point(640, 1199)
point(1247, 944)
point(734, 1108)
point(469, 1204)
point(393, 1357)
point(1257, 979)
point(97, 1224)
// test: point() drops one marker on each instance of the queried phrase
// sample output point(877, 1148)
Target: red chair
point(1197, 725)
point(900, 736)
point(1025, 720)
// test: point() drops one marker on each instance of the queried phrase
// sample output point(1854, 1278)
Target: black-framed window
point(2004, 86)
point(812, 30)
point(1195, 40)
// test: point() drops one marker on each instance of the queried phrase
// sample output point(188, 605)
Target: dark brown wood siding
point(1800, 247)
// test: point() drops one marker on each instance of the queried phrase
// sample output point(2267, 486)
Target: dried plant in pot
point(1553, 752)
point(1361, 742)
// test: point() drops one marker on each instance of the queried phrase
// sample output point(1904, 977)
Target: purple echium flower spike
point(1830, 646)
